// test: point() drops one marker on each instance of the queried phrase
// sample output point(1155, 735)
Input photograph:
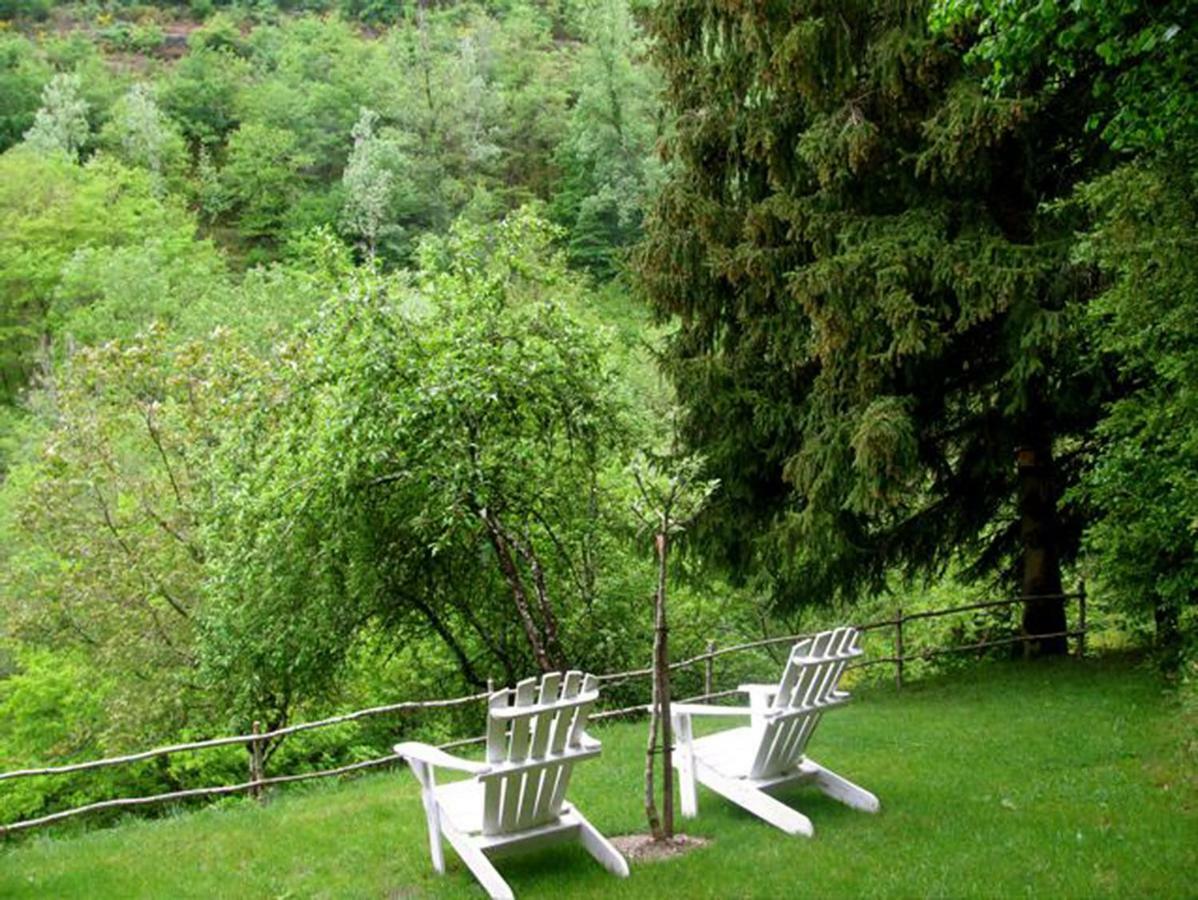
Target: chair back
point(808, 687)
point(535, 735)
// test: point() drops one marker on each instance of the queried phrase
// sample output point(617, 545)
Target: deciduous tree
point(60, 125)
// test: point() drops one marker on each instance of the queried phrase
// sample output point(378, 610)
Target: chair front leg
point(428, 795)
point(684, 762)
point(759, 701)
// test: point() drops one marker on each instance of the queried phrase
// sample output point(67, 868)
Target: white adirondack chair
point(517, 797)
point(743, 764)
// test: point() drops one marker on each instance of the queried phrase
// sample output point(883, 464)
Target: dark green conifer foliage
point(880, 330)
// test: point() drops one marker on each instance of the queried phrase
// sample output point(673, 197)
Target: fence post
point(708, 669)
point(898, 647)
point(256, 773)
point(490, 685)
point(1081, 620)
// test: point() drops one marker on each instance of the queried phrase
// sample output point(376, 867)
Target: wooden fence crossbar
point(243, 738)
point(256, 740)
point(248, 786)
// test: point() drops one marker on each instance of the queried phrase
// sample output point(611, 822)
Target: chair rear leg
point(478, 864)
point(600, 847)
point(840, 788)
point(756, 801)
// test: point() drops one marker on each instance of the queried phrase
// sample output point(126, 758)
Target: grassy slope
point(1055, 779)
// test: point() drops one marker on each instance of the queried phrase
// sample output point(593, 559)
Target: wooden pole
point(709, 669)
point(256, 766)
point(662, 664)
point(898, 647)
point(1081, 620)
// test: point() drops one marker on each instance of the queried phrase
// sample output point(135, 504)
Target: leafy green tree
point(50, 209)
point(51, 710)
point(609, 154)
point(532, 73)
point(880, 342)
point(107, 292)
point(60, 125)
point(262, 180)
point(23, 74)
point(105, 550)
point(1135, 61)
point(200, 94)
point(1144, 485)
point(33, 9)
point(140, 135)
point(447, 83)
point(310, 77)
point(434, 470)
point(369, 182)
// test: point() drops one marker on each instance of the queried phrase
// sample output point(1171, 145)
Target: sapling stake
point(670, 499)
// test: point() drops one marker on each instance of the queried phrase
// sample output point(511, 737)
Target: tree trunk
point(661, 675)
point(446, 634)
point(1044, 612)
point(549, 620)
point(651, 814)
point(519, 595)
point(1168, 633)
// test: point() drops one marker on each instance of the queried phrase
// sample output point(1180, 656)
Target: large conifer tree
point(879, 342)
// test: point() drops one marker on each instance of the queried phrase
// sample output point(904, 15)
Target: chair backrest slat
point(534, 754)
point(582, 716)
point(571, 688)
point(496, 753)
point(496, 733)
point(807, 686)
point(540, 726)
point(517, 748)
point(543, 723)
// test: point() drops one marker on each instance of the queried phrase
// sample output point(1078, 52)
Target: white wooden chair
point(517, 797)
point(743, 764)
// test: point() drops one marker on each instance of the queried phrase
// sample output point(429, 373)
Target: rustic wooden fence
point(256, 742)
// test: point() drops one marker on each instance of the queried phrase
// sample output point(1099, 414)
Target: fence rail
point(255, 741)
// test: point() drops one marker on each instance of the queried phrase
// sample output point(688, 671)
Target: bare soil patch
point(642, 847)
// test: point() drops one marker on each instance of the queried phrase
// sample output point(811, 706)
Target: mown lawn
point(1053, 779)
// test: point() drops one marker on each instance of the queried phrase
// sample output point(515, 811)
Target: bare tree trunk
point(443, 631)
point(519, 595)
point(661, 664)
point(650, 751)
point(552, 642)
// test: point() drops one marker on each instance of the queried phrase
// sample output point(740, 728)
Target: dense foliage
point(276, 434)
point(896, 340)
point(435, 460)
point(323, 366)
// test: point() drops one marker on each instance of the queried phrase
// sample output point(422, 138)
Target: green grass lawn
point(1053, 779)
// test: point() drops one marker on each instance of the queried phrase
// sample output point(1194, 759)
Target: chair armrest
point(708, 709)
point(427, 753)
point(769, 691)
